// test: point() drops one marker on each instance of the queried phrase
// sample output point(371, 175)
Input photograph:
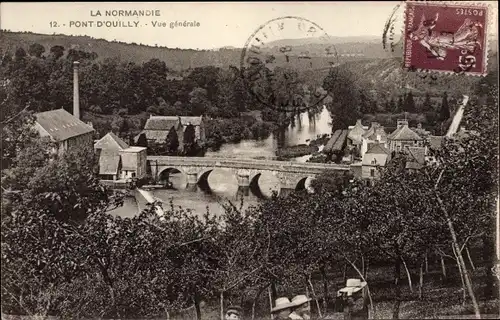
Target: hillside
point(176, 59)
point(371, 67)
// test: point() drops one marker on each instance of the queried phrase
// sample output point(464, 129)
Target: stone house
point(376, 134)
point(403, 137)
point(157, 128)
point(355, 136)
point(375, 157)
point(69, 132)
point(119, 161)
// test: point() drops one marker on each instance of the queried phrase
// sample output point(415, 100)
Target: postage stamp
point(446, 37)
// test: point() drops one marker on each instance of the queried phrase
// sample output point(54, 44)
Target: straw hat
point(234, 309)
point(352, 286)
point(282, 303)
point(300, 300)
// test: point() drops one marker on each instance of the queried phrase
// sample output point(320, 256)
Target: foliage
point(444, 113)
point(142, 141)
point(172, 140)
point(340, 84)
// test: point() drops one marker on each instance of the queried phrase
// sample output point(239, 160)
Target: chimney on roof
point(358, 122)
point(76, 93)
point(402, 123)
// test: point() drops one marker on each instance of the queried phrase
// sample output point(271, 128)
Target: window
point(374, 161)
point(372, 172)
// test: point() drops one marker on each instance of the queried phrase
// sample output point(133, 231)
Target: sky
point(220, 24)
point(215, 25)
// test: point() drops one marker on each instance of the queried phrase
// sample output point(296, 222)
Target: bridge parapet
point(271, 165)
point(245, 170)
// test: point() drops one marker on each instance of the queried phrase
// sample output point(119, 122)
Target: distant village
point(364, 148)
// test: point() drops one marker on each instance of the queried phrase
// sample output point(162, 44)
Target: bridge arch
point(255, 188)
point(203, 181)
point(304, 184)
point(165, 175)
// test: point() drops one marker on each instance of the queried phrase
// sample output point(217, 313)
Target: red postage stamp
point(446, 37)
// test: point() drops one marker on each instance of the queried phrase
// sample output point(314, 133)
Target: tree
point(57, 52)
point(392, 106)
point(172, 141)
point(142, 141)
point(332, 182)
point(20, 54)
point(36, 50)
point(189, 140)
point(400, 105)
point(409, 104)
point(199, 101)
point(344, 105)
point(427, 105)
point(189, 135)
point(444, 112)
point(363, 104)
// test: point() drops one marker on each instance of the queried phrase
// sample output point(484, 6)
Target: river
point(223, 183)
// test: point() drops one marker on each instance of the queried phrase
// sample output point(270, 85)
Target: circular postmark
point(283, 61)
point(393, 32)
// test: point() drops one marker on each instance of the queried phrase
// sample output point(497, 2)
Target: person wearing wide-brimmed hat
point(282, 308)
point(354, 308)
point(302, 308)
point(233, 313)
point(352, 286)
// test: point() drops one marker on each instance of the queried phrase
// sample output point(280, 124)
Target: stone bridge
point(291, 175)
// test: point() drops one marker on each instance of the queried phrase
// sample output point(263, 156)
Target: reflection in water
point(307, 127)
point(223, 182)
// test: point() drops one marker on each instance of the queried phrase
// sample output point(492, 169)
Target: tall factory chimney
point(76, 93)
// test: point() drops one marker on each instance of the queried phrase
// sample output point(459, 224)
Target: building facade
point(66, 130)
point(157, 128)
point(404, 137)
point(119, 161)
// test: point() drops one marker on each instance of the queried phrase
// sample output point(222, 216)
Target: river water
point(223, 183)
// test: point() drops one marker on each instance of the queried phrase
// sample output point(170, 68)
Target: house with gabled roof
point(356, 133)
point(119, 161)
point(415, 158)
point(157, 128)
point(375, 134)
point(66, 130)
point(375, 157)
point(403, 137)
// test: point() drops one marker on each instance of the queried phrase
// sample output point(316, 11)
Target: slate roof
point(377, 148)
point(111, 142)
point(109, 162)
point(166, 122)
point(417, 154)
point(356, 132)
point(195, 121)
point(436, 142)
point(62, 125)
point(373, 133)
point(162, 123)
point(416, 157)
point(159, 136)
point(404, 133)
point(336, 142)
